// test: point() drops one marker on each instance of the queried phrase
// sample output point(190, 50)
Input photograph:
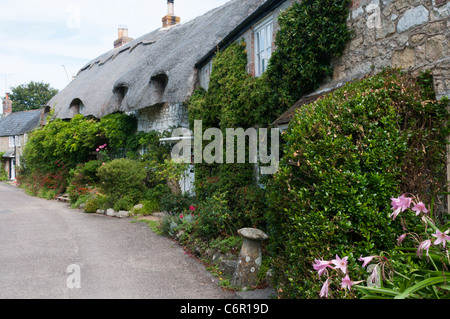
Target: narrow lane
point(47, 249)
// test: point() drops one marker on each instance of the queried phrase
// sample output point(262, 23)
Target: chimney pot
point(123, 37)
point(170, 19)
point(7, 106)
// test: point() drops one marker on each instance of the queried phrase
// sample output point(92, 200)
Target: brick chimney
point(7, 106)
point(170, 19)
point(123, 37)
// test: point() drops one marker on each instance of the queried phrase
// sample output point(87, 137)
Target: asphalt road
point(50, 251)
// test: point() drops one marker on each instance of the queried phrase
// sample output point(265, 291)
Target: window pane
point(263, 52)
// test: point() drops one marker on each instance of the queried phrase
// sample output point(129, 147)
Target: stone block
point(338, 72)
point(110, 212)
point(403, 4)
point(421, 55)
point(405, 58)
point(417, 39)
point(436, 27)
point(387, 29)
point(412, 18)
point(122, 214)
point(437, 47)
point(442, 11)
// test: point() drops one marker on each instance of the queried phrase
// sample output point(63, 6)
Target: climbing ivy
point(311, 34)
point(229, 103)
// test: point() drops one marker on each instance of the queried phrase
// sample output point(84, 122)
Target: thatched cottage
point(152, 75)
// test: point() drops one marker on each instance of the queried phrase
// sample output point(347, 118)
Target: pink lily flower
point(420, 207)
point(424, 245)
point(321, 265)
point(399, 205)
point(400, 239)
point(441, 237)
point(366, 260)
point(324, 290)
point(340, 263)
point(347, 283)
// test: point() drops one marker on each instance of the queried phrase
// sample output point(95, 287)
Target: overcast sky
point(42, 39)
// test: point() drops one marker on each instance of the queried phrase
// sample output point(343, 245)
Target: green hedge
point(123, 180)
point(345, 156)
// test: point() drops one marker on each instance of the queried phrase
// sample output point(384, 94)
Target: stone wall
point(163, 117)
point(411, 34)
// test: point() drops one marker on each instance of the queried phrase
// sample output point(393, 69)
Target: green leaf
point(384, 291)
point(421, 285)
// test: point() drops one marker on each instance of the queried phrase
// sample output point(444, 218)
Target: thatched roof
point(156, 68)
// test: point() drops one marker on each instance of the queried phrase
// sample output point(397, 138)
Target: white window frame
point(263, 34)
point(13, 139)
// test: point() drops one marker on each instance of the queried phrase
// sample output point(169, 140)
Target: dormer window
point(120, 92)
point(76, 107)
point(159, 83)
point(263, 45)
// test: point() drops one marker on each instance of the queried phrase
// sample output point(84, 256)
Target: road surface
point(50, 251)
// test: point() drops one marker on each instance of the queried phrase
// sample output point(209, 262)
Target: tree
point(31, 96)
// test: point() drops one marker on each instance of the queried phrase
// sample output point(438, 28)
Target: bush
point(124, 203)
point(176, 204)
point(92, 205)
point(215, 218)
point(345, 155)
point(82, 178)
point(123, 180)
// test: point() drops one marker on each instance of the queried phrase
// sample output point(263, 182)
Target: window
point(205, 75)
point(14, 141)
point(263, 45)
point(76, 106)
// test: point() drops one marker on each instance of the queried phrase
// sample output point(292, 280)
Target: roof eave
point(263, 10)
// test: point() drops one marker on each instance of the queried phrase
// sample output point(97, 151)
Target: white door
point(13, 169)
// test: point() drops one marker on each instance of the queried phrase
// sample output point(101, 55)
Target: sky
point(51, 40)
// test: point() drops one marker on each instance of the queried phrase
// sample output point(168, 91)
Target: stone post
point(250, 258)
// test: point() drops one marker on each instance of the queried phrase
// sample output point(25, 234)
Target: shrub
point(176, 204)
point(122, 180)
point(92, 205)
point(345, 155)
point(215, 218)
point(82, 178)
point(124, 203)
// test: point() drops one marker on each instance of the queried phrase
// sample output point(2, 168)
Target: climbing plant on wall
point(312, 33)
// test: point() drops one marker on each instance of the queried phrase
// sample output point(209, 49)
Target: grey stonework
point(410, 34)
point(413, 17)
point(163, 117)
